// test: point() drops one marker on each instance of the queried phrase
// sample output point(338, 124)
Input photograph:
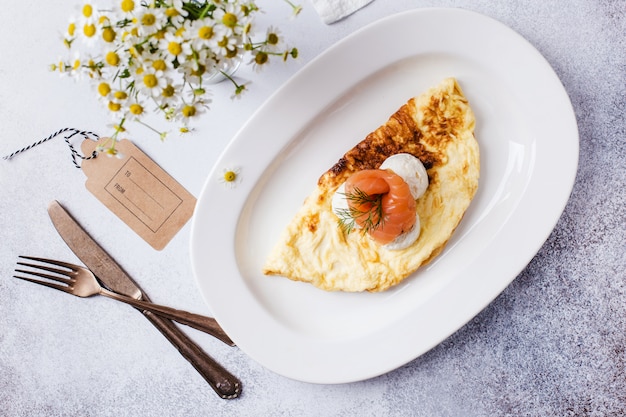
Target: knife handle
point(225, 384)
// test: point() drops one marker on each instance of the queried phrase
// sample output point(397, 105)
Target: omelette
point(437, 127)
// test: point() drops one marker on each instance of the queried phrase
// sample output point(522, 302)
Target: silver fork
point(80, 281)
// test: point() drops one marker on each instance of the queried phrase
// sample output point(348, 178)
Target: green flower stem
point(162, 135)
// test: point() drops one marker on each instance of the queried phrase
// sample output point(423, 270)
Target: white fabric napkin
point(332, 10)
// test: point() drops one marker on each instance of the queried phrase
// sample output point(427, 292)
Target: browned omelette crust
point(402, 135)
point(436, 127)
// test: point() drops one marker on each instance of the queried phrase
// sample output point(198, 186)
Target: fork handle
point(202, 323)
point(226, 385)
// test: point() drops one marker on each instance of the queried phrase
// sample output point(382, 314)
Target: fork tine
point(59, 287)
point(67, 281)
point(51, 262)
point(46, 268)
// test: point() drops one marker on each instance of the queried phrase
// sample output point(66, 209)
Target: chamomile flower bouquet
point(144, 55)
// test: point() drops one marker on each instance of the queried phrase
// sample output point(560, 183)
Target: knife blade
point(225, 384)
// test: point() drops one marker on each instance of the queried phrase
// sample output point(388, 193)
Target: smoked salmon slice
point(380, 203)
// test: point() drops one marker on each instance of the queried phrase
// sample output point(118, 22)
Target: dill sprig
point(359, 198)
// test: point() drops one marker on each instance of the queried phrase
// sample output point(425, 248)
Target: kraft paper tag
point(138, 191)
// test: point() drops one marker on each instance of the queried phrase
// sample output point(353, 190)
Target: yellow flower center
point(223, 42)
point(188, 111)
point(231, 53)
point(127, 5)
point(120, 95)
point(261, 58)
point(229, 20)
point(171, 12)
point(230, 176)
point(108, 35)
point(71, 29)
point(87, 10)
point(114, 106)
point(150, 80)
point(205, 32)
point(76, 64)
point(89, 30)
point(112, 58)
point(272, 39)
point(159, 65)
point(136, 109)
point(180, 31)
point(168, 91)
point(174, 48)
point(148, 19)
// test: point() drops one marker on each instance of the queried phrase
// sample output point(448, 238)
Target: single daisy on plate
point(230, 177)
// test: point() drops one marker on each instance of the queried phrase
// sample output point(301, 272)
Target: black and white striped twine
point(73, 132)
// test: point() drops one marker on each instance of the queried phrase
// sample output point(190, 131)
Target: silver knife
point(113, 276)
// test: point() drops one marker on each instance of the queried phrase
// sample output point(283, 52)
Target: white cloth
point(332, 10)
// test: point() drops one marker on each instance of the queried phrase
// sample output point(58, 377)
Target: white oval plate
point(529, 154)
